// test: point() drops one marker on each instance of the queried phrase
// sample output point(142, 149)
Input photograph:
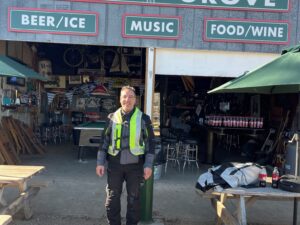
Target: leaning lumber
point(34, 141)
point(11, 134)
point(7, 151)
point(22, 137)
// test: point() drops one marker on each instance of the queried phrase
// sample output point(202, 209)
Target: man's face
point(127, 100)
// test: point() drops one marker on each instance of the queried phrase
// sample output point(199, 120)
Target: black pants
point(132, 174)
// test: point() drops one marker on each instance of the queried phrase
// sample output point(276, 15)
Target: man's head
point(127, 98)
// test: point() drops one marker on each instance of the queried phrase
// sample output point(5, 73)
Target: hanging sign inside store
point(255, 5)
point(53, 21)
point(246, 31)
point(151, 26)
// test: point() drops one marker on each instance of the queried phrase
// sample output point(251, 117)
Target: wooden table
point(18, 176)
point(245, 198)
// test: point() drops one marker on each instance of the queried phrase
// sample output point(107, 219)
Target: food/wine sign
point(249, 31)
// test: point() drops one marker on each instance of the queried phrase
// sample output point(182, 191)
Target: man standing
point(129, 149)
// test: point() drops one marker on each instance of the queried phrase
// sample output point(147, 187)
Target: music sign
point(151, 26)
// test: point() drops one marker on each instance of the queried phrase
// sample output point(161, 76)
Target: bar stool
point(46, 133)
point(232, 141)
point(191, 152)
point(171, 152)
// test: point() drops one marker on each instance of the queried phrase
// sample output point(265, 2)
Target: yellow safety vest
point(134, 133)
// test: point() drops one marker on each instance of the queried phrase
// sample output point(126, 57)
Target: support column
point(147, 189)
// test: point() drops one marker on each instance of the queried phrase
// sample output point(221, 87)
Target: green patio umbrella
point(282, 75)
point(11, 68)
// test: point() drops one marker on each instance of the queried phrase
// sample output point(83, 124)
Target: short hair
point(129, 88)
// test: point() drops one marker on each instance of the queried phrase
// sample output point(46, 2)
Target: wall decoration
point(90, 72)
point(80, 103)
point(56, 82)
point(50, 97)
point(45, 68)
point(85, 79)
point(74, 79)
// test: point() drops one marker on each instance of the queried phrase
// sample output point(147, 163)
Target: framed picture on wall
point(56, 82)
point(75, 79)
point(85, 79)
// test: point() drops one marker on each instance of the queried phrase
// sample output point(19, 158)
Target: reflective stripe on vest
point(134, 133)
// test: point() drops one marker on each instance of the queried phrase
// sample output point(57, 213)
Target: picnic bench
point(18, 176)
point(245, 197)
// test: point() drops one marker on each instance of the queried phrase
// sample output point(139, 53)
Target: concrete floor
point(75, 195)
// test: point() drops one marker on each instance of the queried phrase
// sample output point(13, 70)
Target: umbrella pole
point(295, 211)
point(295, 216)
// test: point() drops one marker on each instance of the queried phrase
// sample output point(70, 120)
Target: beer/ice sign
point(53, 21)
point(50, 21)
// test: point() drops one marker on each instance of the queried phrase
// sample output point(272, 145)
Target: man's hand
point(147, 173)
point(100, 170)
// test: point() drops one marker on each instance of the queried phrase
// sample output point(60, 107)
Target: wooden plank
point(11, 134)
point(224, 214)
point(14, 130)
point(2, 159)
point(22, 136)
point(223, 198)
point(242, 211)
point(18, 203)
point(6, 150)
point(262, 192)
point(248, 202)
point(13, 174)
point(39, 183)
point(5, 219)
point(35, 142)
point(20, 167)
point(2, 200)
point(26, 204)
point(9, 147)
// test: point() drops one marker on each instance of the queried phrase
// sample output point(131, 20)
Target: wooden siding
point(110, 25)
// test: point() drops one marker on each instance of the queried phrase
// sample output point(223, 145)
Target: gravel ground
point(72, 220)
point(75, 195)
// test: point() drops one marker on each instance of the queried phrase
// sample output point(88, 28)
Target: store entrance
point(227, 127)
point(84, 85)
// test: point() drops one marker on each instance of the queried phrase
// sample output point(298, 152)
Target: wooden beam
point(224, 214)
point(223, 198)
point(18, 203)
point(5, 219)
point(242, 211)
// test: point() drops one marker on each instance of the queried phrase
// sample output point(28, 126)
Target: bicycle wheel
point(73, 57)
